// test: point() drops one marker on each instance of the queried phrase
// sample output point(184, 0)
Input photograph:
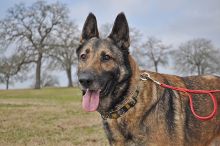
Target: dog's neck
point(130, 99)
point(132, 81)
point(135, 78)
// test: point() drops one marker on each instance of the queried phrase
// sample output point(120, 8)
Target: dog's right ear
point(90, 28)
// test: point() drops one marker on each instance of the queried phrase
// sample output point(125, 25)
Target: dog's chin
point(104, 104)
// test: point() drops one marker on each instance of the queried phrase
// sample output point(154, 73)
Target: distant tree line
point(194, 57)
point(43, 33)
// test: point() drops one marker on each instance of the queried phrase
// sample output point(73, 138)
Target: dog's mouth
point(91, 98)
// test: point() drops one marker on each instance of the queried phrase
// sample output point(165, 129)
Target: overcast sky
point(172, 21)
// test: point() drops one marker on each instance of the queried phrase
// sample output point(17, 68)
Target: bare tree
point(1, 77)
point(135, 38)
point(49, 80)
point(152, 53)
point(64, 51)
point(32, 28)
point(10, 68)
point(1, 50)
point(197, 56)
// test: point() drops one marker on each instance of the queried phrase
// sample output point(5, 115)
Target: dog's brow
point(87, 50)
point(96, 44)
point(104, 52)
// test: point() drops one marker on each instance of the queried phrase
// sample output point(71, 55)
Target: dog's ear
point(120, 32)
point(90, 28)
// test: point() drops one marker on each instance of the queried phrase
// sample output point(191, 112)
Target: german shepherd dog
point(137, 112)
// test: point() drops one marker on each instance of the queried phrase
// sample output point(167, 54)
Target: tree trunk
point(198, 70)
point(156, 66)
point(7, 83)
point(69, 76)
point(38, 72)
point(203, 70)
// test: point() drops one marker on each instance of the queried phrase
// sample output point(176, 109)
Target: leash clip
point(145, 76)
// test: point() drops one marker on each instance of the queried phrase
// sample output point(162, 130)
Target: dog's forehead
point(97, 44)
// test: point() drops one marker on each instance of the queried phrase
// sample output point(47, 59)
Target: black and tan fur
point(161, 116)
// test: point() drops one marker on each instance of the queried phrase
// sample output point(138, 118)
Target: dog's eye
point(106, 58)
point(83, 56)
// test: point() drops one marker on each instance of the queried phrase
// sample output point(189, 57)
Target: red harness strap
point(188, 91)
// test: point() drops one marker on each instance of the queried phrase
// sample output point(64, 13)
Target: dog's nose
point(86, 79)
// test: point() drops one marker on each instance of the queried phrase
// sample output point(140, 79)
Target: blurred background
point(38, 41)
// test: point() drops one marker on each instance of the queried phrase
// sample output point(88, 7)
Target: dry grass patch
point(37, 119)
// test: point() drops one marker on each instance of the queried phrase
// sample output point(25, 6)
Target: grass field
point(47, 117)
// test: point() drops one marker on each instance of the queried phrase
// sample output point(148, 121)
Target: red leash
point(208, 92)
point(189, 92)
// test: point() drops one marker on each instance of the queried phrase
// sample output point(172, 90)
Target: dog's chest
point(124, 131)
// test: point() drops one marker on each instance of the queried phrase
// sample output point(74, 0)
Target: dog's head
point(103, 66)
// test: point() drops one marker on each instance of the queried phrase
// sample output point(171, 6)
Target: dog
point(136, 112)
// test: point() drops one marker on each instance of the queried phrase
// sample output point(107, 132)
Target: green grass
point(48, 117)
point(56, 94)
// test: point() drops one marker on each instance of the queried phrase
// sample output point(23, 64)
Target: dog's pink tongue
point(91, 100)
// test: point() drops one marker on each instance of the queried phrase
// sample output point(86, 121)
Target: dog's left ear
point(120, 32)
point(90, 28)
